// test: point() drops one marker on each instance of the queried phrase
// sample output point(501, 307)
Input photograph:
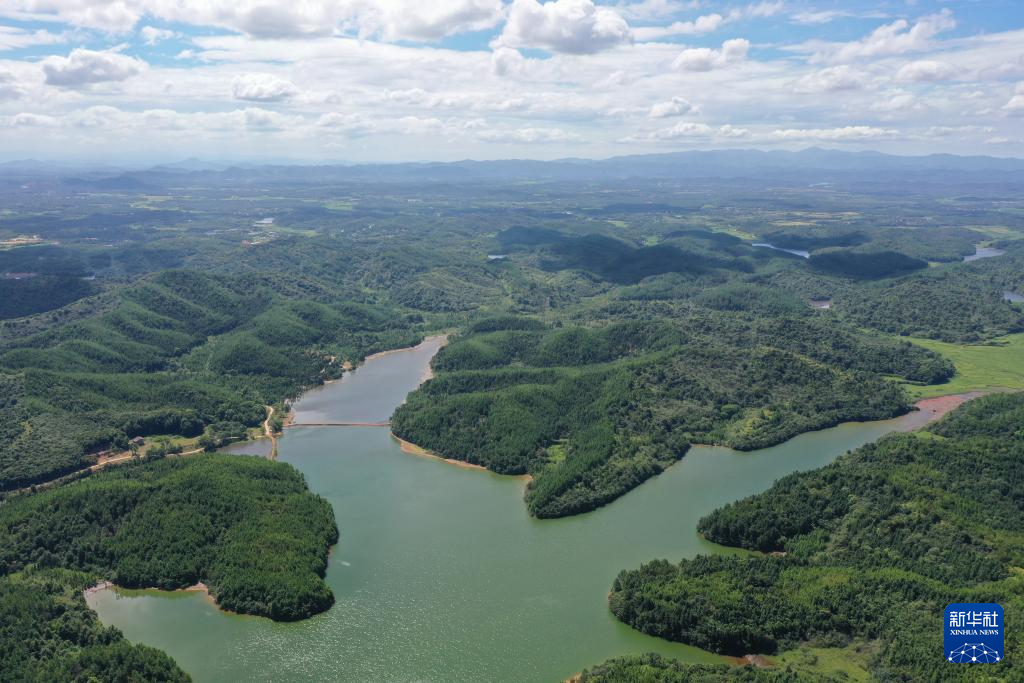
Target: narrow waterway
point(440, 574)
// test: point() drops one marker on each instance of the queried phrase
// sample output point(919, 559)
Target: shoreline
point(412, 449)
point(419, 451)
point(937, 407)
point(198, 587)
point(381, 354)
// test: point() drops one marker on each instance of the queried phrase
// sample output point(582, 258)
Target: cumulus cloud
point(570, 26)
point(646, 10)
point(898, 101)
point(708, 23)
point(529, 135)
point(13, 38)
point(693, 131)
point(425, 21)
point(262, 88)
point(1015, 107)
point(925, 70)
point(389, 19)
point(10, 89)
point(29, 120)
point(831, 79)
point(706, 59)
point(703, 24)
point(153, 35)
point(815, 17)
point(843, 134)
point(82, 68)
point(115, 120)
point(506, 61)
point(677, 106)
point(898, 37)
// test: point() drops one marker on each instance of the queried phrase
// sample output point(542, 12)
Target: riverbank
point(198, 587)
point(429, 372)
point(938, 406)
point(419, 451)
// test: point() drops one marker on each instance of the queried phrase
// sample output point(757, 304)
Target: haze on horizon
point(396, 80)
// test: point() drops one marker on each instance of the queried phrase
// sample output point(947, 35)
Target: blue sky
point(396, 80)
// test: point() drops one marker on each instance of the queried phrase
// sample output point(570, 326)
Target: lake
point(439, 573)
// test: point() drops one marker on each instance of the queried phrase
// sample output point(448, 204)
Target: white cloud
point(1015, 107)
point(506, 61)
point(843, 134)
point(529, 135)
point(646, 10)
point(426, 21)
point(831, 79)
point(29, 120)
point(706, 59)
point(895, 38)
point(709, 23)
point(898, 101)
point(570, 26)
point(13, 38)
point(106, 15)
point(677, 106)
point(82, 68)
point(815, 17)
point(390, 19)
point(262, 88)
point(153, 35)
point(703, 24)
point(686, 130)
point(925, 70)
point(10, 89)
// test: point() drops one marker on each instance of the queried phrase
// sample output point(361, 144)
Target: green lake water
point(439, 573)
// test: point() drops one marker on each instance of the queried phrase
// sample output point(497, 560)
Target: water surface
point(983, 252)
point(440, 574)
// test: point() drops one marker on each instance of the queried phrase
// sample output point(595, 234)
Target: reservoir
point(439, 573)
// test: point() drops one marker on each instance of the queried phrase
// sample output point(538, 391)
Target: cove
point(439, 573)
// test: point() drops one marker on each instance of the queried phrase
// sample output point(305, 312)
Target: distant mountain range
point(807, 167)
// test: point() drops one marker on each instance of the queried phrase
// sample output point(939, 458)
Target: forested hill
point(870, 548)
point(175, 353)
point(592, 412)
point(244, 526)
point(49, 635)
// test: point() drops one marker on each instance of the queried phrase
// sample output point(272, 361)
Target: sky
point(411, 80)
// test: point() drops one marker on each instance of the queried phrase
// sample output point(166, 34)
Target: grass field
point(996, 366)
point(841, 664)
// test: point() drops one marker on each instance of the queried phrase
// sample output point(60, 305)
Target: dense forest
point(600, 329)
point(179, 352)
point(653, 668)
point(871, 547)
point(591, 412)
point(245, 527)
point(49, 635)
